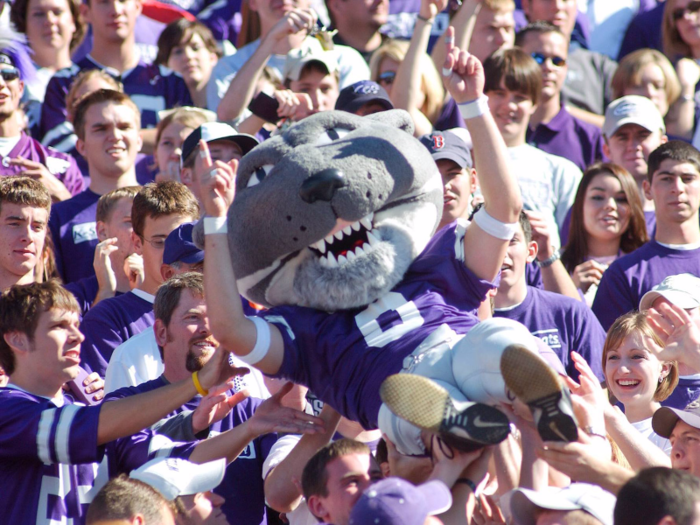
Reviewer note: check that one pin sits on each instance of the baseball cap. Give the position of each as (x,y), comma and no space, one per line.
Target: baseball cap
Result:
(666,418)
(311,50)
(632,109)
(212,131)
(356,95)
(682,290)
(448,145)
(525,504)
(394,501)
(180,247)
(174,477)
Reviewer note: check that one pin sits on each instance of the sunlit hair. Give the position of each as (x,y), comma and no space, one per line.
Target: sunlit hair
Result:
(83,78)
(431,84)
(636,322)
(629,73)
(518,71)
(632,238)
(187,116)
(180,32)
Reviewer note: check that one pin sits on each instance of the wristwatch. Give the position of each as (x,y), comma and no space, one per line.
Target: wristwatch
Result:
(549,261)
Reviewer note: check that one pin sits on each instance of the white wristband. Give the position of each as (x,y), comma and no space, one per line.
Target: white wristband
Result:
(474,108)
(262,343)
(494,227)
(215,225)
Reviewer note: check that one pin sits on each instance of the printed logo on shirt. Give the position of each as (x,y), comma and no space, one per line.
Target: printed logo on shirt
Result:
(57,166)
(84,232)
(550,337)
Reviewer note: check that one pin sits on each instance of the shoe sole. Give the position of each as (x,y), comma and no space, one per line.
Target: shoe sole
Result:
(427,405)
(537,385)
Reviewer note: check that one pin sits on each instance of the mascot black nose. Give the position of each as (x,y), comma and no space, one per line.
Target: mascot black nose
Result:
(322,185)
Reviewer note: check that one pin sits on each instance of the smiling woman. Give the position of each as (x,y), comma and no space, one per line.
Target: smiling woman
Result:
(607,220)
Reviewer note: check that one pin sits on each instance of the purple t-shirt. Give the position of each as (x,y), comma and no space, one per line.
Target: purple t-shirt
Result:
(568,137)
(84,291)
(450,116)
(630,277)
(564,324)
(74,233)
(245,501)
(223,18)
(644,31)
(49,457)
(687,391)
(153,88)
(109,324)
(62,166)
(344,357)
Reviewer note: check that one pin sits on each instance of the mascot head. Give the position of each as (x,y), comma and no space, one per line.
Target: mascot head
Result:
(331,213)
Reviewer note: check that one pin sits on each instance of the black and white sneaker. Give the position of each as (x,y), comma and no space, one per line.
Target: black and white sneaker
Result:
(537,384)
(465,426)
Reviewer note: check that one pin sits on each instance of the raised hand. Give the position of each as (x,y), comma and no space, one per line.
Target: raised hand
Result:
(431,8)
(215,406)
(38,171)
(273,416)
(217,181)
(588,273)
(679,333)
(218,370)
(106,279)
(463,71)
(133,269)
(295,21)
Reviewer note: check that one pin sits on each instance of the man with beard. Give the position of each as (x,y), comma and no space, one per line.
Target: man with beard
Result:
(186,344)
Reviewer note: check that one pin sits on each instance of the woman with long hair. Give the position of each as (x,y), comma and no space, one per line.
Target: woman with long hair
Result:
(607,221)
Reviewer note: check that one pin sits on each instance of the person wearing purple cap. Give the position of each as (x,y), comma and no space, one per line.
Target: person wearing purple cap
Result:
(394,501)
(20,153)
(363,98)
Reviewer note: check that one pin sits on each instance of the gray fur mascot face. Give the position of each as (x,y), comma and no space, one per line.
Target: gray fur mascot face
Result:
(331,213)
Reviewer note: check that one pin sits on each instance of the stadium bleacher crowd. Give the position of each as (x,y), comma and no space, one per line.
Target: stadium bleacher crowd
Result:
(143,383)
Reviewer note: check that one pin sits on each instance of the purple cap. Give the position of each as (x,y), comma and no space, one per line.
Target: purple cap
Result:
(447,145)
(353,97)
(179,246)
(394,501)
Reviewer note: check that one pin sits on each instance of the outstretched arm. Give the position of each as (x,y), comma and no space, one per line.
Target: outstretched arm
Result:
(502,201)
(463,22)
(406,90)
(228,323)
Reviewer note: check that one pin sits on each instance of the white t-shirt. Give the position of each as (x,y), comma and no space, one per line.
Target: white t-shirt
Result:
(645,429)
(137,360)
(548,184)
(352,67)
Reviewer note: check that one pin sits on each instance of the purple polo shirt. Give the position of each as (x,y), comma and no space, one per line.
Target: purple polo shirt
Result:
(62,166)
(568,137)
(111,322)
(630,277)
(74,233)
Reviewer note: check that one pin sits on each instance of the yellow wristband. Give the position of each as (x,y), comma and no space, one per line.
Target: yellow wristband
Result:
(198,385)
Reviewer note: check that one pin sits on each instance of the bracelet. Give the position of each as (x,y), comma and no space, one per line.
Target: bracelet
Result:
(469,483)
(215,225)
(474,108)
(549,261)
(426,20)
(595,431)
(687,98)
(494,227)
(198,385)
(262,342)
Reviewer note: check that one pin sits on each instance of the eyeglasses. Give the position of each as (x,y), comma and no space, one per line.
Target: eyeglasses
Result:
(9,74)
(692,7)
(387,77)
(556,61)
(157,244)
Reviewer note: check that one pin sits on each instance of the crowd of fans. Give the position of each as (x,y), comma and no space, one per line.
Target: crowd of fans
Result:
(119,405)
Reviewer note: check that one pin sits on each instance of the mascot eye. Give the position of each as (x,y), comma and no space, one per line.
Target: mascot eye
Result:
(331,135)
(259,174)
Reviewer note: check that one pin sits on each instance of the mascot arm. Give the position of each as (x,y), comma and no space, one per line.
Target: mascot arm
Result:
(498,185)
(228,323)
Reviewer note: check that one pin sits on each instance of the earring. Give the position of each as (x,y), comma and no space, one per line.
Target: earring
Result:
(661,379)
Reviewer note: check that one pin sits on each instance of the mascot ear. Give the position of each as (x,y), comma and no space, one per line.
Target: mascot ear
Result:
(397,118)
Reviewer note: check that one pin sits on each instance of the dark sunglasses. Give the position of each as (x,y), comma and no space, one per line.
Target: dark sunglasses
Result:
(692,7)
(10,74)
(387,77)
(541,59)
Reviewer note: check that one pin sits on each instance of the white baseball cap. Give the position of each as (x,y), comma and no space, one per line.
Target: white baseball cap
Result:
(682,290)
(174,477)
(632,109)
(311,50)
(525,504)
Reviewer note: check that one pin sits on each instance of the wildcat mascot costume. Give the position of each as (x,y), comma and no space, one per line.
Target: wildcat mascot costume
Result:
(333,229)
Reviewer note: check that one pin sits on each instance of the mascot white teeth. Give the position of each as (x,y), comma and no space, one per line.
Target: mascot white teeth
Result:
(333,229)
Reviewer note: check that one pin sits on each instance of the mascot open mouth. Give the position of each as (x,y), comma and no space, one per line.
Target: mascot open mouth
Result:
(353,241)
